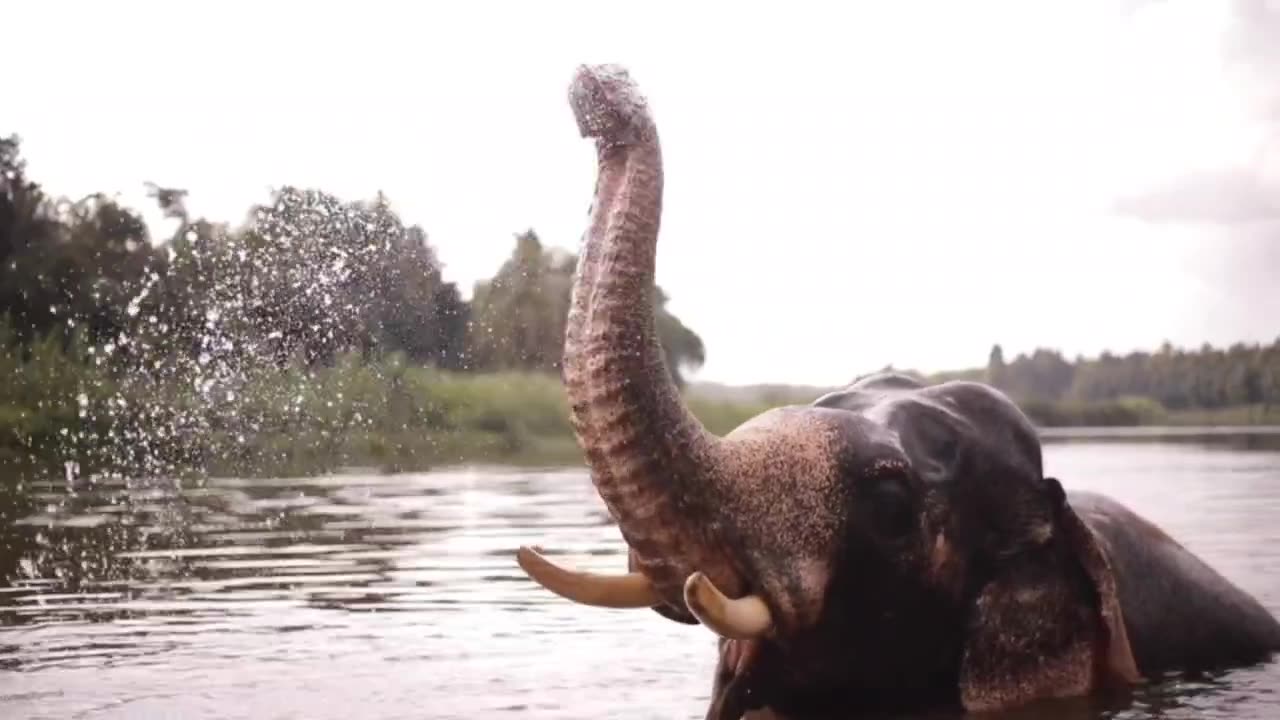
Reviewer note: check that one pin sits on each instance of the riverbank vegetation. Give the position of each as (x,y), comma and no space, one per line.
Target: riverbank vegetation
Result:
(320,333)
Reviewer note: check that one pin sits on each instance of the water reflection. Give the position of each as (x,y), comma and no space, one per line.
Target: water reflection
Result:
(354,541)
(366,595)
(1261,437)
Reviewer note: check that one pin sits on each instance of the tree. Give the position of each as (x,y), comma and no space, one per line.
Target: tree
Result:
(418,312)
(311,276)
(682,348)
(66,265)
(996,366)
(519,315)
(28,231)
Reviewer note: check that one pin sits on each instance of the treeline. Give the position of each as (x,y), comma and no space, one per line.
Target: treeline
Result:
(279,341)
(319,331)
(306,277)
(1235,385)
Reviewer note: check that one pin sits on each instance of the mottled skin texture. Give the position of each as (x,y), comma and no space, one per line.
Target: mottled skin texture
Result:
(930,535)
(999,596)
(904,538)
(624,408)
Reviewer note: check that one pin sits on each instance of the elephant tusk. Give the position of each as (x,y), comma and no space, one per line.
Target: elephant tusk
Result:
(630,590)
(742,619)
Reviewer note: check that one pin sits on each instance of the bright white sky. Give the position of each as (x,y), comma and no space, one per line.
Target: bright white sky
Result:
(895,182)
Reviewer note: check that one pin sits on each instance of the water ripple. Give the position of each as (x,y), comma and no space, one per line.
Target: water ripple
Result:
(397,596)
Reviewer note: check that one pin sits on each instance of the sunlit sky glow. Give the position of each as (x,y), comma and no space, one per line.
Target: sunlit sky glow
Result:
(847,187)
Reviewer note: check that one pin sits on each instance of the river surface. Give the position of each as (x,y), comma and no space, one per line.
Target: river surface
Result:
(375,596)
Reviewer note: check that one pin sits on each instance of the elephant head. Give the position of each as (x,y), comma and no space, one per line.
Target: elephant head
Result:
(889,543)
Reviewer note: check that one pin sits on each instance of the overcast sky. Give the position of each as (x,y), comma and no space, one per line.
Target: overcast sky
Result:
(895,182)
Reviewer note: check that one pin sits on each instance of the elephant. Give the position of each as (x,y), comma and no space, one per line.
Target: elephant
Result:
(892,546)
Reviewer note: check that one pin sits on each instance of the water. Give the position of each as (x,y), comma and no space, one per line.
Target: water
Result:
(397,596)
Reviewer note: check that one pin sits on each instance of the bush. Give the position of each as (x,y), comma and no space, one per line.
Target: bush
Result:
(59,406)
(1112,413)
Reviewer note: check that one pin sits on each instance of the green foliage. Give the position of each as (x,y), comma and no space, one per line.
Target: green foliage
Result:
(56,403)
(319,331)
(681,346)
(299,418)
(1126,411)
(307,275)
(1138,388)
(67,265)
(312,276)
(519,316)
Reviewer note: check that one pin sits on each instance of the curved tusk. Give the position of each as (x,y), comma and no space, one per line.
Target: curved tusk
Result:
(741,619)
(632,590)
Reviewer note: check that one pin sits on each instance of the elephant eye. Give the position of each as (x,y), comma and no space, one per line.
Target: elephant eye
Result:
(890,507)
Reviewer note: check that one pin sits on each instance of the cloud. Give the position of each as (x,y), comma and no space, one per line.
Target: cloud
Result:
(1247,193)
(1227,197)
(1253,41)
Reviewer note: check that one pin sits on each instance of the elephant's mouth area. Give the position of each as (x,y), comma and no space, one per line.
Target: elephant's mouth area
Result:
(758,674)
(737,688)
(886,640)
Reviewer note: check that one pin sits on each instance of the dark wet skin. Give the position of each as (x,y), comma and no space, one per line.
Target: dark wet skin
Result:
(898,614)
(1181,614)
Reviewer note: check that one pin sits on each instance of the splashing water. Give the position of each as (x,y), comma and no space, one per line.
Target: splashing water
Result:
(245,332)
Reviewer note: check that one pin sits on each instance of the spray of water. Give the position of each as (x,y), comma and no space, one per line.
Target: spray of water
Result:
(232,335)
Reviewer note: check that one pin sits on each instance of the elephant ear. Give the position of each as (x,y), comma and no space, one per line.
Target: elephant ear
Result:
(1048,624)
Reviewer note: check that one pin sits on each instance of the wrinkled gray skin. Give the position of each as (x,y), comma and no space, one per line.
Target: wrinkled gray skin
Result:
(904,538)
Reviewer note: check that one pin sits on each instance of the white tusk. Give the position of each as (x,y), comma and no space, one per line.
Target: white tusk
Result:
(742,619)
(630,590)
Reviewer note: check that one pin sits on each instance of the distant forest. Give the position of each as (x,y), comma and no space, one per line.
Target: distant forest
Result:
(1140,386)
(1177,378)
(314,333)
(305,278)
(319,331)
(1239,385)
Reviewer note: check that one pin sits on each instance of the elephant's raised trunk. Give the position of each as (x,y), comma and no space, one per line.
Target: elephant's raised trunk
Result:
(652,462)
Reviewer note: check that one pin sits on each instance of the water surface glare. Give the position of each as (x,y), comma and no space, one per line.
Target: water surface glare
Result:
(397,596)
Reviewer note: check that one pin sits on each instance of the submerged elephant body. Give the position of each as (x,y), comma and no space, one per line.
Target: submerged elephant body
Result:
(890,546)
(1179,612)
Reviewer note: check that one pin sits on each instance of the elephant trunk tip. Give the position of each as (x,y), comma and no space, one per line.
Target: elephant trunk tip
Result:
(609,106)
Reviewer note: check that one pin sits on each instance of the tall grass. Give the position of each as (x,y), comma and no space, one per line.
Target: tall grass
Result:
(61,412)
